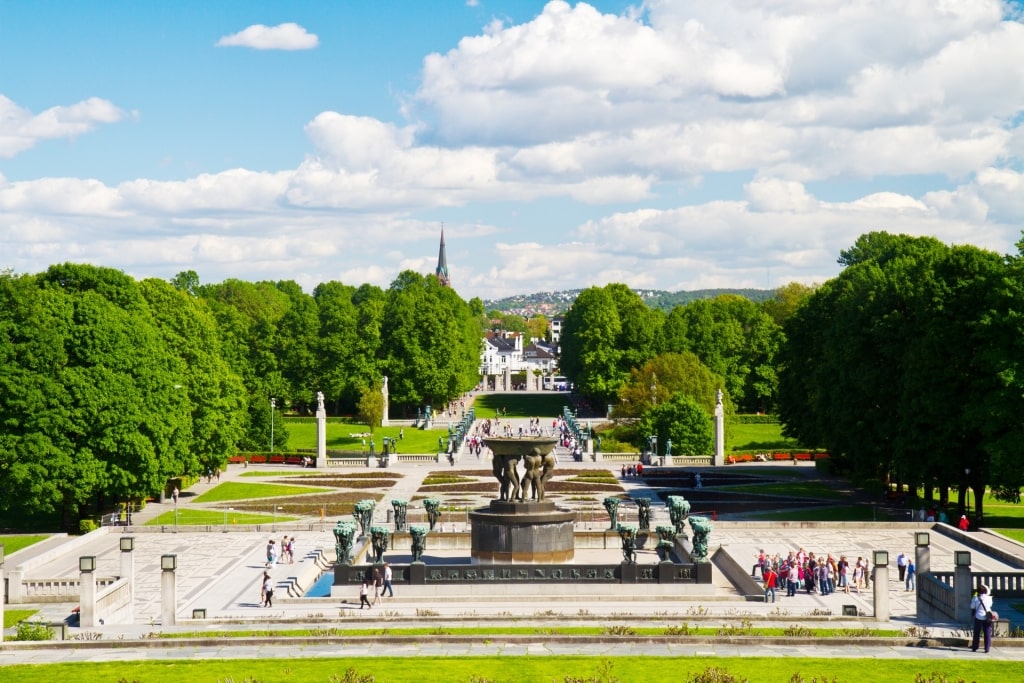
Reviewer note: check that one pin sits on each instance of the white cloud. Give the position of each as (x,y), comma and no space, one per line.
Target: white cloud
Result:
(518,136)
(20,129)
(289,36)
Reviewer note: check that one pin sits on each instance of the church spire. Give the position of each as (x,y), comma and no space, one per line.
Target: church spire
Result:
(442,263)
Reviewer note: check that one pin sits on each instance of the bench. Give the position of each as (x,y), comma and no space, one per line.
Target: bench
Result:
(258,458)
(277,459)
(236,459)
(293,460)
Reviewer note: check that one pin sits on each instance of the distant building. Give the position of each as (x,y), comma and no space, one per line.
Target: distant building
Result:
(539,357)
(501,353)
(555,329)
(442,264)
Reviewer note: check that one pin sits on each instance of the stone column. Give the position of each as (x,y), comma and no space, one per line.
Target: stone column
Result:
(963,585)
(168,590)
(128,573)
(321,435)
(87,593)
(1,592)
(922,554)
(384,422)
(880,589)
(719,431)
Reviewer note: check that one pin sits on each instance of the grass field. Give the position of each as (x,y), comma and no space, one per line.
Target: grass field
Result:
(842,513)
(545,404)
(192,517)
(237,490)
(13,616)
(302,434)
(516,669)
(755,437)
(798,489)
(13,544)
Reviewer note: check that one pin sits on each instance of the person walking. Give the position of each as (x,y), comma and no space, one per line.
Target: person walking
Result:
(263,588)
(911,576)
(387,581)
(364,592)
(760,564)
(378,584)
(901,565)
(268,590)
(981,606)
(770,581)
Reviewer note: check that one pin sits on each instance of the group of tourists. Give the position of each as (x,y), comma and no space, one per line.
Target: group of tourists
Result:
(630,471)
(281,553)
(376,584)
(823,574)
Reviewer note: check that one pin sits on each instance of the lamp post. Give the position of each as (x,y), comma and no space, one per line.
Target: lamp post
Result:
(967,474)
(176,513)
(226,511)
(273,405)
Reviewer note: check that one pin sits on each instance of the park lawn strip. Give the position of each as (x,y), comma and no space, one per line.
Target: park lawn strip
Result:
(236,490)
(842,513)
(502,630)
(192,517)
(302,434)
(13,544)
(1015,534)
(741,436)
(798,489)
(546,406)
(510,669)
(13,616)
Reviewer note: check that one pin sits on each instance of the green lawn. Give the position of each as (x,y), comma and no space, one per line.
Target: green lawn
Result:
(1015,534)
(546,404)
(514,669)
(237,490)
(499,630)
(13,544)
(302,434)
(753,437)
(13,616)
(193,517)
(798,489)
(842,513)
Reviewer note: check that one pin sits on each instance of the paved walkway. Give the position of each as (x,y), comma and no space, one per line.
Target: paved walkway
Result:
(219,571)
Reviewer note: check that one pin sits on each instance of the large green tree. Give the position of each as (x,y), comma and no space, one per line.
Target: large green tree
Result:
(736,339)
(430,341)
(902,367)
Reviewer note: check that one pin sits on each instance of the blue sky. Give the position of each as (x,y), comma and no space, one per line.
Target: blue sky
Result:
(671,144)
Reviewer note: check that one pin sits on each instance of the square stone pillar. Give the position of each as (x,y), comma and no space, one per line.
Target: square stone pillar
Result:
(963,586)
(922,552)
(880,591)
(87,595)
(128,572)
(2,591)
(321,438)
(168,590)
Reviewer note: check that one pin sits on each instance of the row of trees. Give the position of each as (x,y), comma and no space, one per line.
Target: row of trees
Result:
(109,386)
(910,365)
(610,332)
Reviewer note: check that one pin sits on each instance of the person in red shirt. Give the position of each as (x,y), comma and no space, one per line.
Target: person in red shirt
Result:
(964,524)
(770,579)
(639,469)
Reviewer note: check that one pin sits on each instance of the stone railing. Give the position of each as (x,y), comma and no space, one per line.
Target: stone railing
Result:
(56,590)
(1001,584)
(935,594)
(112,602)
